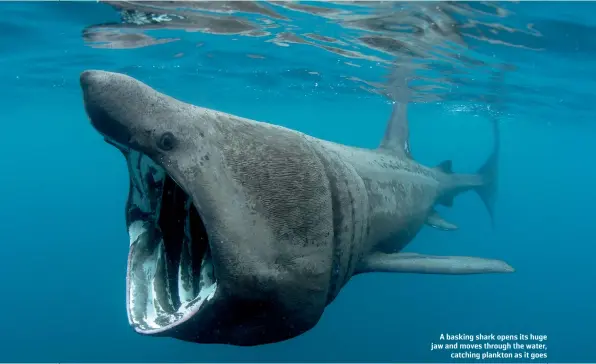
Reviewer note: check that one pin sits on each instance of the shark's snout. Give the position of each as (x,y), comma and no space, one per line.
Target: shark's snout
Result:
(93,80)
(171,274)
(90,76)
(105,99)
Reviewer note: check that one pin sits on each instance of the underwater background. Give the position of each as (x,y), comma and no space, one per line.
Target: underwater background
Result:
(318,68)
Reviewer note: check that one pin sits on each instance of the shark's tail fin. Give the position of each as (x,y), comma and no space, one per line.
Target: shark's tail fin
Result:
(489,173)
(484,182)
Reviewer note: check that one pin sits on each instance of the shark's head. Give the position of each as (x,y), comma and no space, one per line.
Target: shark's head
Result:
(205,263)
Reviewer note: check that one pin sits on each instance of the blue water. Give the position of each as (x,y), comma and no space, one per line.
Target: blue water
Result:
(64,242)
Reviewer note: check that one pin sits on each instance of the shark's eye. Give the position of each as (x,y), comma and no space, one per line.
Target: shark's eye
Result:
(167,141)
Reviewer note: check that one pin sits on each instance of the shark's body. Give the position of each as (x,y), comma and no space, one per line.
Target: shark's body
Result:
(242,232)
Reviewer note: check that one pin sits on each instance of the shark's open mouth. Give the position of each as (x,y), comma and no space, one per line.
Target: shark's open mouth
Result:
(170,272)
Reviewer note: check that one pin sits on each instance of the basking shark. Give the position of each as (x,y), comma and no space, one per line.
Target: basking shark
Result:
(242,232)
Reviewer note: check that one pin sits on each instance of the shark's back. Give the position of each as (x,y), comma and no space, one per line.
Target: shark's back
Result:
(400,192)
(378,195)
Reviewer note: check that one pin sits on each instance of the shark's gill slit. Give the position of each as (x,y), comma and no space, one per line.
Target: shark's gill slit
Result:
(170,270)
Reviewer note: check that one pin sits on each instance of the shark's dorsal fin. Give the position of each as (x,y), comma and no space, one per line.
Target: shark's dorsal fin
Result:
(397,133)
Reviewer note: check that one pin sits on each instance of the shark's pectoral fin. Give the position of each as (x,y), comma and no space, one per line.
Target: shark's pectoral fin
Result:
(434,220)
(430,264)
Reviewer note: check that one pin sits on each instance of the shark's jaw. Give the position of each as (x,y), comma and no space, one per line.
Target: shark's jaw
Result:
(207,261)
(170,272)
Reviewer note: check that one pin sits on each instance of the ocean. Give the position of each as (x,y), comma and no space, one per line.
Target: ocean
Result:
(320,68)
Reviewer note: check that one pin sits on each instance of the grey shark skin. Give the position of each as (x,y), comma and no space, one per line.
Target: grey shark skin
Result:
(242,232)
